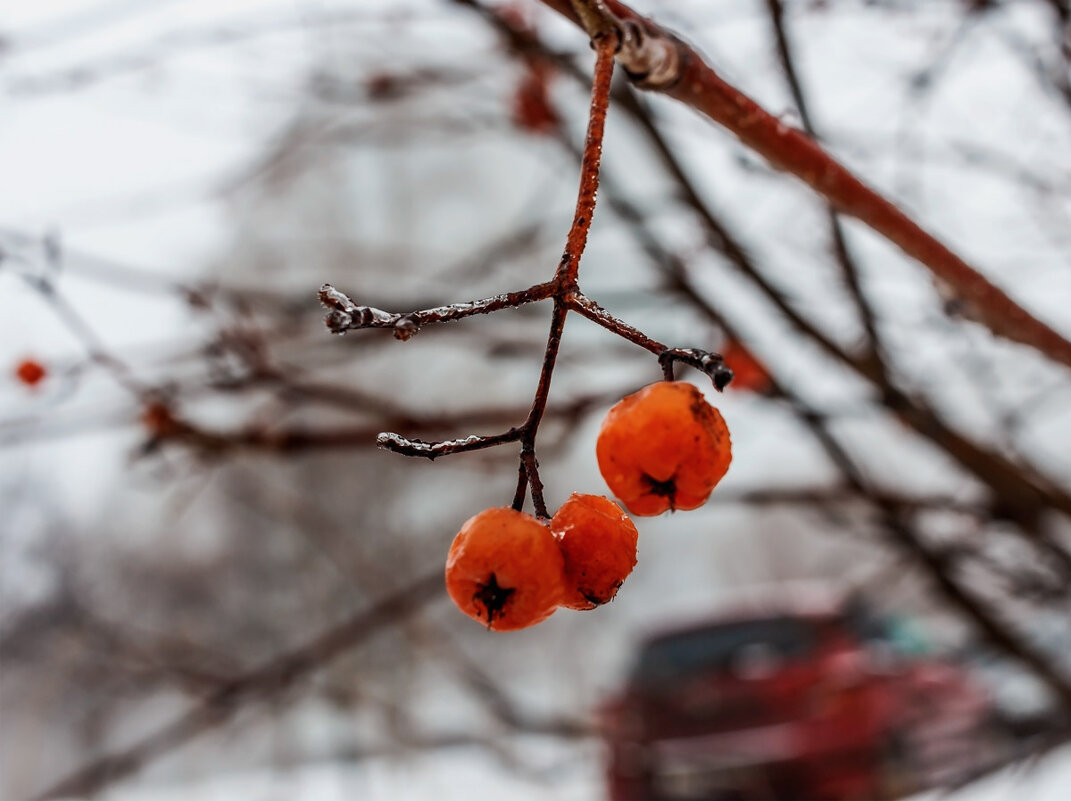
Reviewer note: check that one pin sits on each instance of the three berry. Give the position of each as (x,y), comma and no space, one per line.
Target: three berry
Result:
(661,448)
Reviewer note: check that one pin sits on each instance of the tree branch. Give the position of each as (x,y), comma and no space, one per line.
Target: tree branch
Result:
(272,678)
(696,84)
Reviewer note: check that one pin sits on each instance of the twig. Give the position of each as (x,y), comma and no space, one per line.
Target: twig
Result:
(348,316)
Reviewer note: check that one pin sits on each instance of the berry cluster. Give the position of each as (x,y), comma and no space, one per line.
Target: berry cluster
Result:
(662,448)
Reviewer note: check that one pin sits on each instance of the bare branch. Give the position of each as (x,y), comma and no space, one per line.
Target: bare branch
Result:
(345,315)
(430,450)
(261,683)
(696,84)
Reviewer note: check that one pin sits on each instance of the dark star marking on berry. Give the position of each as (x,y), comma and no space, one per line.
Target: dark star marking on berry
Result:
(664,489)
(493,597)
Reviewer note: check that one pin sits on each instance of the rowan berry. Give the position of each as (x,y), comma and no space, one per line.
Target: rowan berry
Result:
(598,542)
(532,108)
(663,447)
(749,373)
(505,570)
(30,372)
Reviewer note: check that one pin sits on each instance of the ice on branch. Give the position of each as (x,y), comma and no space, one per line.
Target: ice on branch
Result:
(711,364)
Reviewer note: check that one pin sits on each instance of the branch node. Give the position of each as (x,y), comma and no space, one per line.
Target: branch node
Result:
(404,328)
(650,61)
(598,21)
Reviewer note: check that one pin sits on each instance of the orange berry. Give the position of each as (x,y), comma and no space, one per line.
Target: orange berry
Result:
(504,569)
(598,542)
(663,447)
(748,372)
(30,372)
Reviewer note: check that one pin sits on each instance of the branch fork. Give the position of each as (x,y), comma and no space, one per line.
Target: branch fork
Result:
(649,57)
(610,37)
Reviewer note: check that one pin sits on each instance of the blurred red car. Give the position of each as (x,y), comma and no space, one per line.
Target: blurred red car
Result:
(793,700)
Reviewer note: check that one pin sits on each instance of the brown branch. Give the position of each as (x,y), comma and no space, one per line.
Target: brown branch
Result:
(841,250)
(404,446)
(568,269)
(842,494)
(261,683)
(345,315)
(697,85)
(168,427)
(605,47)
(1021,492)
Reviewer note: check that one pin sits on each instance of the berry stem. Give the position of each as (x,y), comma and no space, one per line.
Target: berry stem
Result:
(565,279)
(522,487)
(531,471)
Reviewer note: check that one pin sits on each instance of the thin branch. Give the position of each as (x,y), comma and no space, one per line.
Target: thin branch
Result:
(345,315)
(262,683)
(84,332)
(605,46)
(841,494)
(396,443)
(706,362)
(539,405)
(696,84)
(588,308)
(711,364)
(841,250)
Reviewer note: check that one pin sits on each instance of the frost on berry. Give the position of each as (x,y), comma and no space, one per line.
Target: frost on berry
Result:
(505,570)
(663,448)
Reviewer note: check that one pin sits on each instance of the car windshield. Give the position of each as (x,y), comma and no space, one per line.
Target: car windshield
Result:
(722,648)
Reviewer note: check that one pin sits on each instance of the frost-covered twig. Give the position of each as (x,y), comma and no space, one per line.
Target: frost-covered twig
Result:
(346,315)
